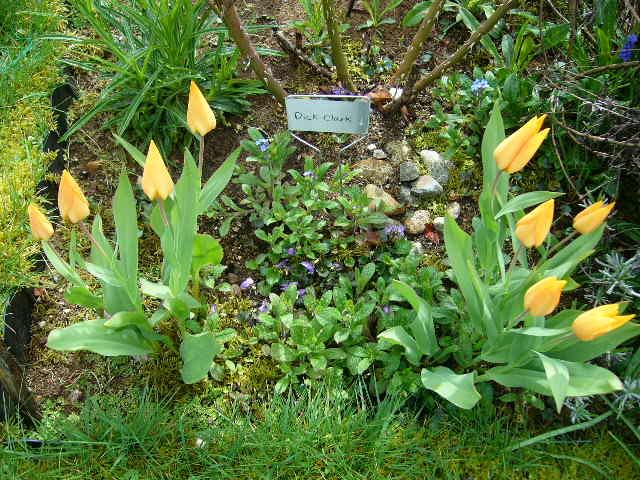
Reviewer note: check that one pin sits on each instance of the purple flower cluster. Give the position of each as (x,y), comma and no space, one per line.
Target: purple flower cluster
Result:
(340,91)
(394,232)
(263,144)
(264,307)
(308,266)
(247,283)
(478,85)
(626,54)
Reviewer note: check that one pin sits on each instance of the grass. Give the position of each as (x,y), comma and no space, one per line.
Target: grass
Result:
(322,432)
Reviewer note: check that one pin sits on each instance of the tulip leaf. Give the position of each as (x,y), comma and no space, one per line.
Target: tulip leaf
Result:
(422,327)
(458,389)
(126,221)
(539,331)
(94,336)
(558,377)
(568,258)
(399,336)
(575,350)
(206,251)
(526,200)
(62,267)
(197,352)
(218,181)
(83,296)
(136,154)
(490,200)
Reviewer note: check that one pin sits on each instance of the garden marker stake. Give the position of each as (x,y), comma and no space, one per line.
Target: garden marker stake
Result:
(72,203)
(200,118)
(41,227)
(543,298)
(592,217)
(533,228)
(600,320)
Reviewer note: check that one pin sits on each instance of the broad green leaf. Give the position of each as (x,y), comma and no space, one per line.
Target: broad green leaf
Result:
(458,389)
(136,154)
(94,336)
(472,24)
(557,377)
(565,260)
(62,267)
(422,327)
(206,251)
(399,336)
(218,181)
(526,200)
(363,276)
(282,354)
(575,350)
(155,290)
(197,352)
(83,296)
(539,331)
(415,16)
(127,319)
(126,221)
(105,274)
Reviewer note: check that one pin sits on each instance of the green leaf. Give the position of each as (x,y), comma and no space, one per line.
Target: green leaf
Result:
(125,217)
(136,154)
(94,336)
(363,276)
(105,274)
(206,251)
(127,319)
(458,389)
(197,352)
(415,16)
(62,267)
(83,296)
(558,378)
(155,290)
(218,181)
(568,258)
(422,328)
(578,351)
(399,336)
(526,200)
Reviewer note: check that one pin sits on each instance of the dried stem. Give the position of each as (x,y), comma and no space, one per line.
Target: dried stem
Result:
(298,54)
(330,12)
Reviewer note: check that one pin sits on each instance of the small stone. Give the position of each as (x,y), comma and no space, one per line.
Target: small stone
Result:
(438,224)
(376,171)
(379,154)
(75,396)
(396,93)
(405,196)
(426,186)
(378,196)
(41,324)
(399,152)
(437,166)
(453,209)
(408,172)
(417,249)
(371,147)
(417,221)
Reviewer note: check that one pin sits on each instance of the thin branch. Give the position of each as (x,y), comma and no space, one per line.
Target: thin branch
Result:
(330,12)
(606,68)
(295,52)
(597,138)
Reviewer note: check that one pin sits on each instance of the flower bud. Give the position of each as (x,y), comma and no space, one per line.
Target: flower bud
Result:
(542,298)
(72,203)
(598,321)
(533,228)
(200,117)
(592,217)
(515,151)
(41,227)
(156,181)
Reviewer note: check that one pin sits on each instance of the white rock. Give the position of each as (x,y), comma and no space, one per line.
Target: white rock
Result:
(379,154)
(417,221)
(426,186)
(437,165)
(453,209)
(371,147)
(438,224)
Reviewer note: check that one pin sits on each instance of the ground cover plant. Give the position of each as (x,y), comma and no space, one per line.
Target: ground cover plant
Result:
(453,298)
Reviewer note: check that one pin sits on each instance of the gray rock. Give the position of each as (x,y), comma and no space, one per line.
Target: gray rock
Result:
(371,147)
(426,186)
(405,196)
(417,221)
(416,249)
(373,170)
(437,166)
(379,154)
(408,172)
(74,396)
(438,224)
(382,200)
(399,152)
(453,209)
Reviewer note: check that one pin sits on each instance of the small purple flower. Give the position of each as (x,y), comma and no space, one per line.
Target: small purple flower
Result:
(291,251)
(302,292)
(309,174)
(284,286)
(478,85)
(386,309)
(283,264)
(336,265)
(308,266)
(247,283)
(263,144)
(214,309)
(264,307)
(394,231)
(626,54)
(340,91)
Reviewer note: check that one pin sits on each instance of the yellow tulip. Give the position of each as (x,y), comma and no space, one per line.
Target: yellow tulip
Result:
(41,227)
(200,117)
(72,203)
(534,227)
(542,298)
(515,151)
(592,217)
(156,181)
(600,320)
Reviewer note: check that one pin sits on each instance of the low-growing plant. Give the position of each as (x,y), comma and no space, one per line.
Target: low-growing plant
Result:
(378,11)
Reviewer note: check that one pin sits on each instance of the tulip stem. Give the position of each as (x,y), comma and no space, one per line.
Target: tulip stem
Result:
(494,187)
(201,154)
(513,262)
(88,233)
(163,213)
(561,242)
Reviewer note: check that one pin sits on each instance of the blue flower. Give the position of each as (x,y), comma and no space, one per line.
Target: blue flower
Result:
(284,286)
(394,231)
(247,283)
(302,292)
(626,54)
(478,85)
(340,91)
(308,266)
(386,309)
(291,251)
(283,264)
(309,174)
(263,144)
(214,309)
(264,307)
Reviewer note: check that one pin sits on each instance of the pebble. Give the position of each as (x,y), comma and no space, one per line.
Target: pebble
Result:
(399,152)
(438,224)
(379,154)
(426,186)
(408,172)
(405,196)
(375,171)
(75,396)
(437,165)
(371,147)
(417,221)
(376,194)
(416,248)
(453,209)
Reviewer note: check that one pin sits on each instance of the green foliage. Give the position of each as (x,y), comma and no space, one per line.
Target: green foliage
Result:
(155,50)
(125,326)
(378,11)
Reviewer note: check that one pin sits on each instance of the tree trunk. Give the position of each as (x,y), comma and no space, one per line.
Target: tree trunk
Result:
(330,13)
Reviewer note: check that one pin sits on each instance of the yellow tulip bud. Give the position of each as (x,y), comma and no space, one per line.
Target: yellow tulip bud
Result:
(41,227)
(542,298)
(72,203)
(200,117)
(515,151)
(592,217)
(156,181)
(600,320)
(533,228)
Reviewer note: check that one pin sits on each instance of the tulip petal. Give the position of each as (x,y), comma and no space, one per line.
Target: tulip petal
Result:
(41,227)
(592,217)
(507,150)
(72,203)
(156,181)
(200,117)
(527,152)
